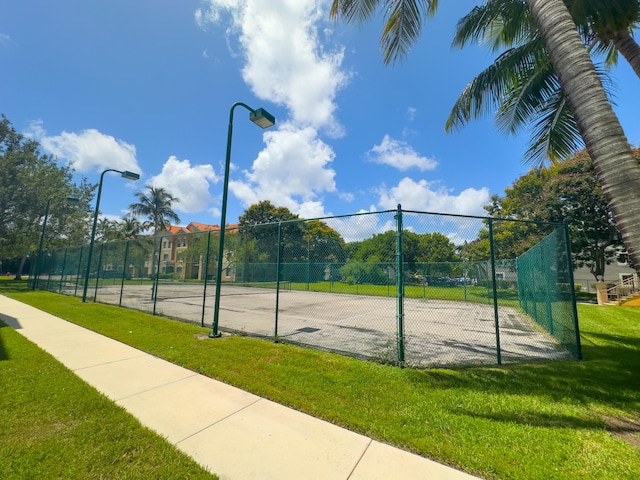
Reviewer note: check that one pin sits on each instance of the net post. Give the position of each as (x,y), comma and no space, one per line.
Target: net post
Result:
(399,286)
(495,291)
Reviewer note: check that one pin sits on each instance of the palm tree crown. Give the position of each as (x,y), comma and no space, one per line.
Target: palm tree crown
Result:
(155,204)
(599,127)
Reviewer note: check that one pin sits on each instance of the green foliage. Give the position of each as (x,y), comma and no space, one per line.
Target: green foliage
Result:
(372,271)
(418,248)
(156,204)
(568,190)
(305,243)
(29,181)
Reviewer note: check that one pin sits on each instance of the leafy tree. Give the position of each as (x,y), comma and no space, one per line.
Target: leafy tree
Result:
(260,222)
(324,243)
(617,169)
(29,181)
(574,193)
(568,190)
(156,204)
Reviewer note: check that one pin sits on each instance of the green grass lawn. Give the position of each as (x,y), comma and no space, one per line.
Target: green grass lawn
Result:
(563,420)
(53,425)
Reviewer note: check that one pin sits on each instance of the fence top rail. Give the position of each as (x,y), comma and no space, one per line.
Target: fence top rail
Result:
(477,217)
(418,212)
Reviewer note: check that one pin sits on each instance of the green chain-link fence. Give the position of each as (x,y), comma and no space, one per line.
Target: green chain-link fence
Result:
(401,287)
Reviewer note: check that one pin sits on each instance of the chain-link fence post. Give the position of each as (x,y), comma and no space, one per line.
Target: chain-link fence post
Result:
(99,269)
(572,289)
(400,285)
(495,291)
(79,271)
(206,277)
(64,264)
(156,280)
(124,270)
(278,273)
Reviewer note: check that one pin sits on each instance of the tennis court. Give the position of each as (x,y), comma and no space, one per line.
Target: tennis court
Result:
(437,332)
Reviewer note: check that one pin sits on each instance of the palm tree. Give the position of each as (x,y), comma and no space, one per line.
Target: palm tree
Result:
(607,26)
(521,83)
(156,205)
(131,227)
(617,169)
(106,230)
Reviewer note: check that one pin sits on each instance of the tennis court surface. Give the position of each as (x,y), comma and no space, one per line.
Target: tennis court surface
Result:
(437,332)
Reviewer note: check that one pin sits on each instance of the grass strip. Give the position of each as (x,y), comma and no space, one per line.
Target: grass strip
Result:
(561,420)
(56,426)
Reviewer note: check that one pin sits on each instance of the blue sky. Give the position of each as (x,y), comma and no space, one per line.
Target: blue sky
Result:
(147,86)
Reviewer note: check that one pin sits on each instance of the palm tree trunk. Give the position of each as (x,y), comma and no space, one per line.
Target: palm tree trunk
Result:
(617,169)
(629,49)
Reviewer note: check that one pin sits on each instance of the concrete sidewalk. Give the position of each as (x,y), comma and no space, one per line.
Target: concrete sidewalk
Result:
(235,434)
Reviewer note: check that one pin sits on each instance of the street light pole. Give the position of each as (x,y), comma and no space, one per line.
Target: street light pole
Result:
(44,227)
(263,119)
(125,174)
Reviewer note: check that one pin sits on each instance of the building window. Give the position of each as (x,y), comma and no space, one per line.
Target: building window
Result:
(623,258)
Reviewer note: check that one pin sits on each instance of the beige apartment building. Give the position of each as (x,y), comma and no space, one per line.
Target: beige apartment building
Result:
(177,239)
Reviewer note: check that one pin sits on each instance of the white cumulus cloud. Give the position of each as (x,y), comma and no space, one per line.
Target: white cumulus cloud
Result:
(280,43)
(425,196)
(88,151)
(292,171)
(190,184)
(400,155)
(285,61)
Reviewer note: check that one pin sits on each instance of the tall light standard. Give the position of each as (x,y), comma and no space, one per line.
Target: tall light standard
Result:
(263,119)
(44,227)
(129,176)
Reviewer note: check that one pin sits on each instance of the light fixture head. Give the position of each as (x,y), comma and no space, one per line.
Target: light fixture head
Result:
(72,199)
(130,175)
(262,118)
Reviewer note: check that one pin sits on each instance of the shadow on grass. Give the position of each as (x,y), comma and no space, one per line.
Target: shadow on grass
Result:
(3,352)
(607,378)
(537,419)
(13,286)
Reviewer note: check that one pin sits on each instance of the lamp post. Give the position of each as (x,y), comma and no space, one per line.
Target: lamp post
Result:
(44,227)
(125,174)
(263,119)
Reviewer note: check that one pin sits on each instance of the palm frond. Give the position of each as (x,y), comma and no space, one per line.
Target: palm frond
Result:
(485,93)
(555,135)
(354,10)
(403,24)
(497,23)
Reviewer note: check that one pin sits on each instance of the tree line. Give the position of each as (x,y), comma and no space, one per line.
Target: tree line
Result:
(35,187)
